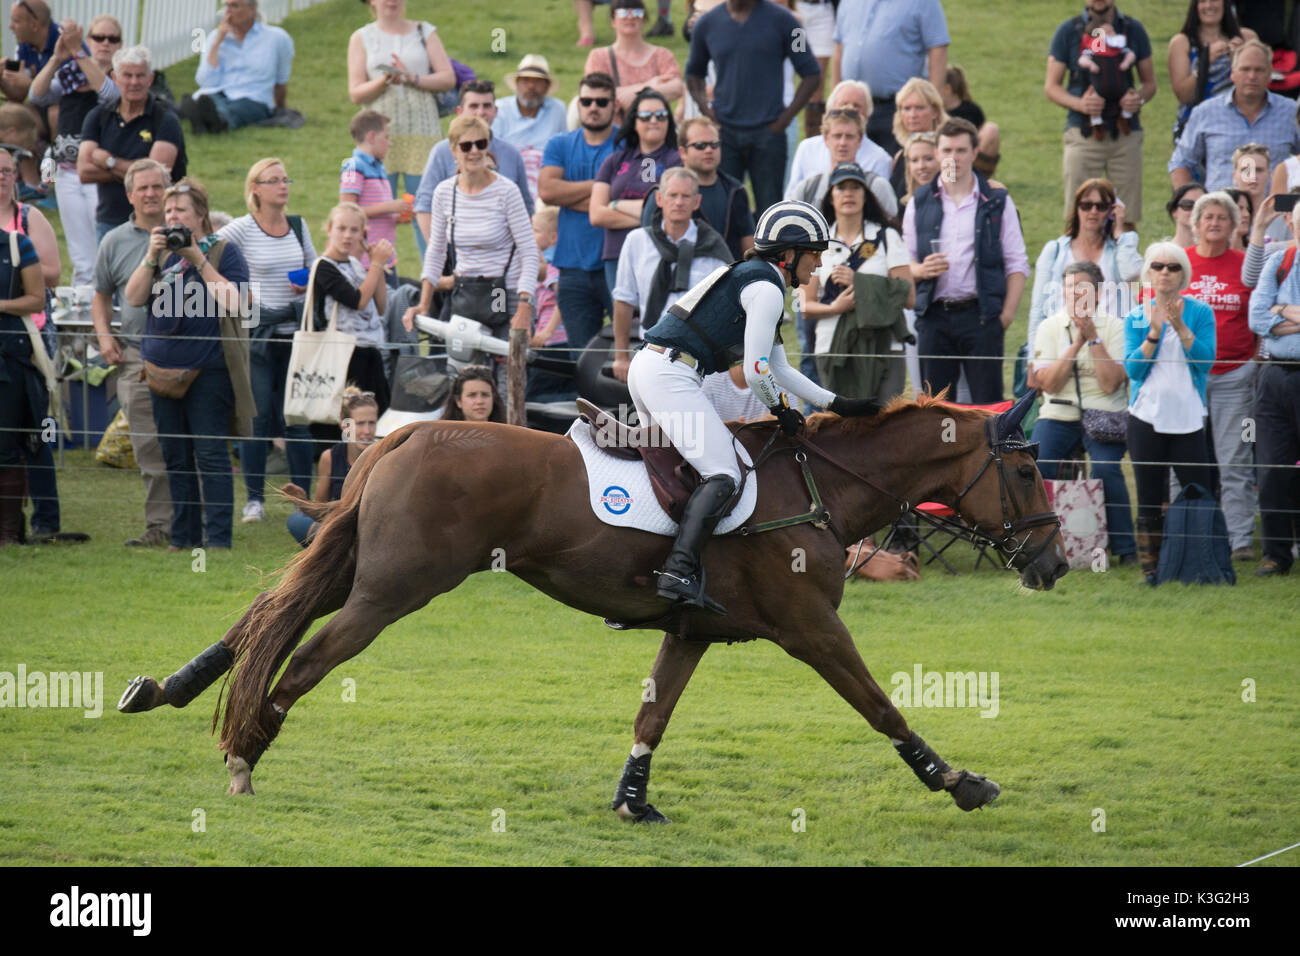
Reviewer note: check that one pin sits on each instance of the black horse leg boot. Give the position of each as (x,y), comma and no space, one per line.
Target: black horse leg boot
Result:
(682,577)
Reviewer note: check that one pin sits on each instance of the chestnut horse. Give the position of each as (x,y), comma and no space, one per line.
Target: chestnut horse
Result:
(435,502)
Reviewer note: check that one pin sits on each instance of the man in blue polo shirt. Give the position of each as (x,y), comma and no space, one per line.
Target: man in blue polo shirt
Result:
(569,168)
(884,43)
(746,40)
(243,74)
(1115,156)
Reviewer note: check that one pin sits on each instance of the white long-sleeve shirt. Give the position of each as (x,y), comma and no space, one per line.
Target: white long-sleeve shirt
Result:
(767,371)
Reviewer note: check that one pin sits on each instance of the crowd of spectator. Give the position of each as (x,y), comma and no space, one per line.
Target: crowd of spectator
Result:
(558,218)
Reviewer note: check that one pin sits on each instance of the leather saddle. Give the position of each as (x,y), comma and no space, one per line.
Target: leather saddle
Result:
(672,477)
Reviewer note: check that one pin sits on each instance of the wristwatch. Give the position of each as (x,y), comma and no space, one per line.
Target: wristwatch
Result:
(110,162)
(1096,341)
(1155,341)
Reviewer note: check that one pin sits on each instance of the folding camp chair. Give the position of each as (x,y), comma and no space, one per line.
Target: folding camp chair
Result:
(940,522)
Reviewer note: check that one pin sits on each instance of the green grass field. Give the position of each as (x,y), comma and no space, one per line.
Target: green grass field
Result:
(495,705)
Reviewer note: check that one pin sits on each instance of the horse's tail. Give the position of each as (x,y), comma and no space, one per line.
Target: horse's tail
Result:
(279,617)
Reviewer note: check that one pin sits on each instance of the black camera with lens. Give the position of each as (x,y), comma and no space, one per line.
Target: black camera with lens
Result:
(178,238)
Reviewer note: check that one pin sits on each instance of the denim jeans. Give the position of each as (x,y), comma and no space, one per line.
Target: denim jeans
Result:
(583,299)
(237,113)
(1056,439)
(300,526)
(269,369)
(191,431)
(412,187)
(761,153)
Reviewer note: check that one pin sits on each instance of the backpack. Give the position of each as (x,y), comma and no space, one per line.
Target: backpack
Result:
(1195,548)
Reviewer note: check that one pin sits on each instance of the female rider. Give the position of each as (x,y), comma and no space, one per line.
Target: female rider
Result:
(734,312)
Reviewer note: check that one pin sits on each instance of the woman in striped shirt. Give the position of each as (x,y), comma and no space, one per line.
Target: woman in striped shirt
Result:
(483,216)
(274,244)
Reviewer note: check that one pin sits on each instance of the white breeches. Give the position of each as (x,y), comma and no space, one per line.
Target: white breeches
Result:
(671,395)
(77,202)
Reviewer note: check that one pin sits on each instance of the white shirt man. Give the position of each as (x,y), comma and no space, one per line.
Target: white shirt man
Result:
(640,260)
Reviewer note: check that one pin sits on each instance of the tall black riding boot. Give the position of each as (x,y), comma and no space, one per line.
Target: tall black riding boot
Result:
(682,577)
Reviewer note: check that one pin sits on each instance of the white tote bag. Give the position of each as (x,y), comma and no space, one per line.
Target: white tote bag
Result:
(318,366)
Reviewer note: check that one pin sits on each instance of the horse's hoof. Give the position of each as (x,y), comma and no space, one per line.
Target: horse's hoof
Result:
(241,776)
(647,814)
(973,790)
(143,693)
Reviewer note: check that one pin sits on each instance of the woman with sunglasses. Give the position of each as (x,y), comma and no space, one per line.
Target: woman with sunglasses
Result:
(633,63)
(1179,208)
(643,149)
(78,83)
(1094,232)
(483,215)
(1169,346)
(274,244)
(358,416)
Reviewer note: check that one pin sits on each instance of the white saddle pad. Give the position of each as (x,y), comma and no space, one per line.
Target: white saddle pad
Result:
(621,495)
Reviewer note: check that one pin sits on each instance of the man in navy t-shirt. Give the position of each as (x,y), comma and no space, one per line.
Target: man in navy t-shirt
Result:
(747,40)
(1113,154)
(569,166)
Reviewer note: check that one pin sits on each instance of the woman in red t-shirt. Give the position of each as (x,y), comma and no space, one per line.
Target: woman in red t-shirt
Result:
(1216,281)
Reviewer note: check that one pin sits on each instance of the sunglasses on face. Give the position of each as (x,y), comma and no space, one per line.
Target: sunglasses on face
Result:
(1171,267)
(106,38)
(467,144)
(629,13)
(842,113)
(1186,204)
(658,116)
(705,144)
(1094,206)
(601,101)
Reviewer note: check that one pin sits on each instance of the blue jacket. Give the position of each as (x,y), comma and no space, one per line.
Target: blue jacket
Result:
(1199,318)
(718,315)
(990,269)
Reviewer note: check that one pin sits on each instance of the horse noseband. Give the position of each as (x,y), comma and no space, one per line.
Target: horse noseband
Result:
(1008,544)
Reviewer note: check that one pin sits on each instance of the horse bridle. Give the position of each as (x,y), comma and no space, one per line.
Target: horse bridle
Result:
(1012,524)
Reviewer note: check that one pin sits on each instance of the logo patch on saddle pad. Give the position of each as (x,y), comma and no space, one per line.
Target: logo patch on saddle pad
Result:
(616,500)
(620,493)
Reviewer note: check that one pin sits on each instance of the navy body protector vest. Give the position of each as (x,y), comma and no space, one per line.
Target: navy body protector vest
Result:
(708,322)
(990,271)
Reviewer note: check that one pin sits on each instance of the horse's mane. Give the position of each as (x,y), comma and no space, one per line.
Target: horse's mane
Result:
(902,405)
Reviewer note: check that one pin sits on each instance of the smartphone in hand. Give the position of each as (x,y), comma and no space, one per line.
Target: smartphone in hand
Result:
(1285,202)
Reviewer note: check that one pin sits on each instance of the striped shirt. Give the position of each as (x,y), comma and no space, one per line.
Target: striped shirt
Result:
(270,259)
(488,226)
(366,177)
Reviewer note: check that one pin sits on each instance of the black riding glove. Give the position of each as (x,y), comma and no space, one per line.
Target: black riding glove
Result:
(788,418)
(853,407)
